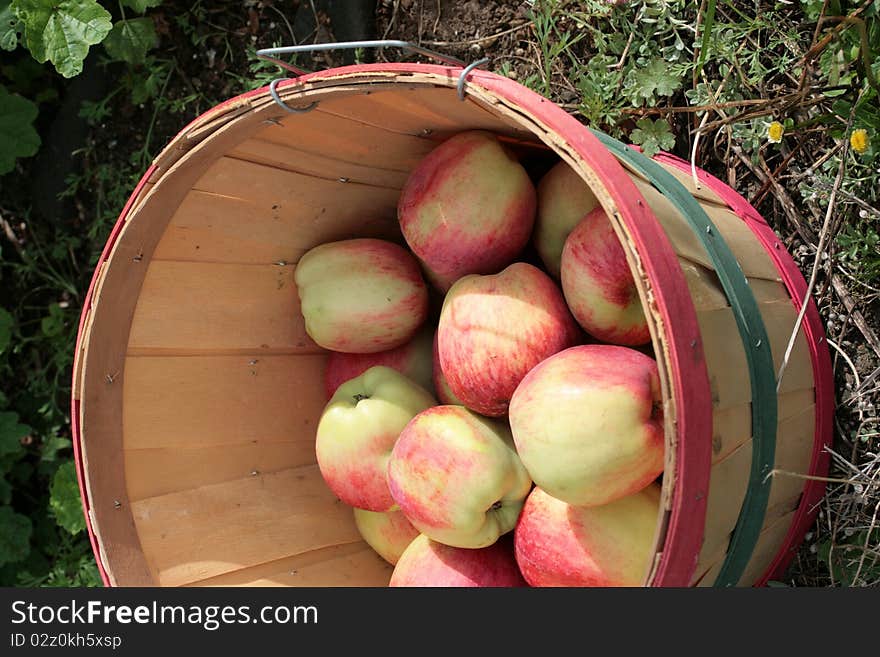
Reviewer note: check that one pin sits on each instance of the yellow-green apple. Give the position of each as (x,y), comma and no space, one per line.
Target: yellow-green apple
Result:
(456,476)
(599,286)
(557,544)
(588,423)
(358,429)
(415,359)
(361,295)
(563,200)
(441,386)
(493,329)
(388,532)
(427,563)
(467,208)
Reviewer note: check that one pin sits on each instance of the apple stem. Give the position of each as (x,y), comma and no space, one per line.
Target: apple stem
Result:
(495,506)
(359,397)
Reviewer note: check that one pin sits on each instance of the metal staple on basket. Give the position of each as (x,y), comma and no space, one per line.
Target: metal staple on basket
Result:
(273,91)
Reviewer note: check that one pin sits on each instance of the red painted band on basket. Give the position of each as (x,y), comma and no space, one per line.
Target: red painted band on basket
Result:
(794,282)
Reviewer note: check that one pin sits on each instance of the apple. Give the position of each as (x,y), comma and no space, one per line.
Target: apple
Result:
(357,431)
(557,544)
(456,476)
(588,423)
(598,285)
(467,208)
(414,359)
(427,563)
(493,329)
(388,532)
(441,386)
(563,200)
(361,295)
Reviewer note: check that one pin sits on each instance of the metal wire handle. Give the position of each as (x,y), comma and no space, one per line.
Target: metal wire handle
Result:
(270,55)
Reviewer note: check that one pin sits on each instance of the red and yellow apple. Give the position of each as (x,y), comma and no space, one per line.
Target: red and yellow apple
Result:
(493,329)
(358,429)
(361,295)
(467,208)
(557,544)
(588,423)
(599,286)
(415,359)
(427,563)
(563,200)
(441,386)
(456,476)
(388,532)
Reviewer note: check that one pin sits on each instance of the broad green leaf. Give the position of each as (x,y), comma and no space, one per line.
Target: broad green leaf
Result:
(15,535)
(5,491)
(10,26)
(61,32)
(653,136)
(53,323)
(130,40)
(52,445)
(11,433)
(655,80)
(140,6)
(6,323)
(17,135)
(64,499)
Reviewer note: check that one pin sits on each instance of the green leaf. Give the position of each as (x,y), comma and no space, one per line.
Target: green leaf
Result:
(17,135)
(62,31)
(6,323)
(10,26)
(653,136)
(130,40)
(64,499)
(15,535)
(708,24)
(11,433)
(53,323)
(52,445)
(655,80)
(140,6)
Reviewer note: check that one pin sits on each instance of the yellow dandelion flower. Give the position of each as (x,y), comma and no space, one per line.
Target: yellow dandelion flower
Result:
(774,132)
(858,140)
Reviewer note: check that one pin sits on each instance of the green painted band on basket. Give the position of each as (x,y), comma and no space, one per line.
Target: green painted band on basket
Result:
(751,327)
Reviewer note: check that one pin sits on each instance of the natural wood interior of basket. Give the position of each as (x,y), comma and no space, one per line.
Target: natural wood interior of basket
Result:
(216,389)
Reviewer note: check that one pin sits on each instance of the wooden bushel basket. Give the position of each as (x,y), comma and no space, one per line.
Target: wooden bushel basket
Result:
(197,390)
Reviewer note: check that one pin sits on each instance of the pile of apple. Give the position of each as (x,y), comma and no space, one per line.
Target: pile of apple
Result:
(515,437)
